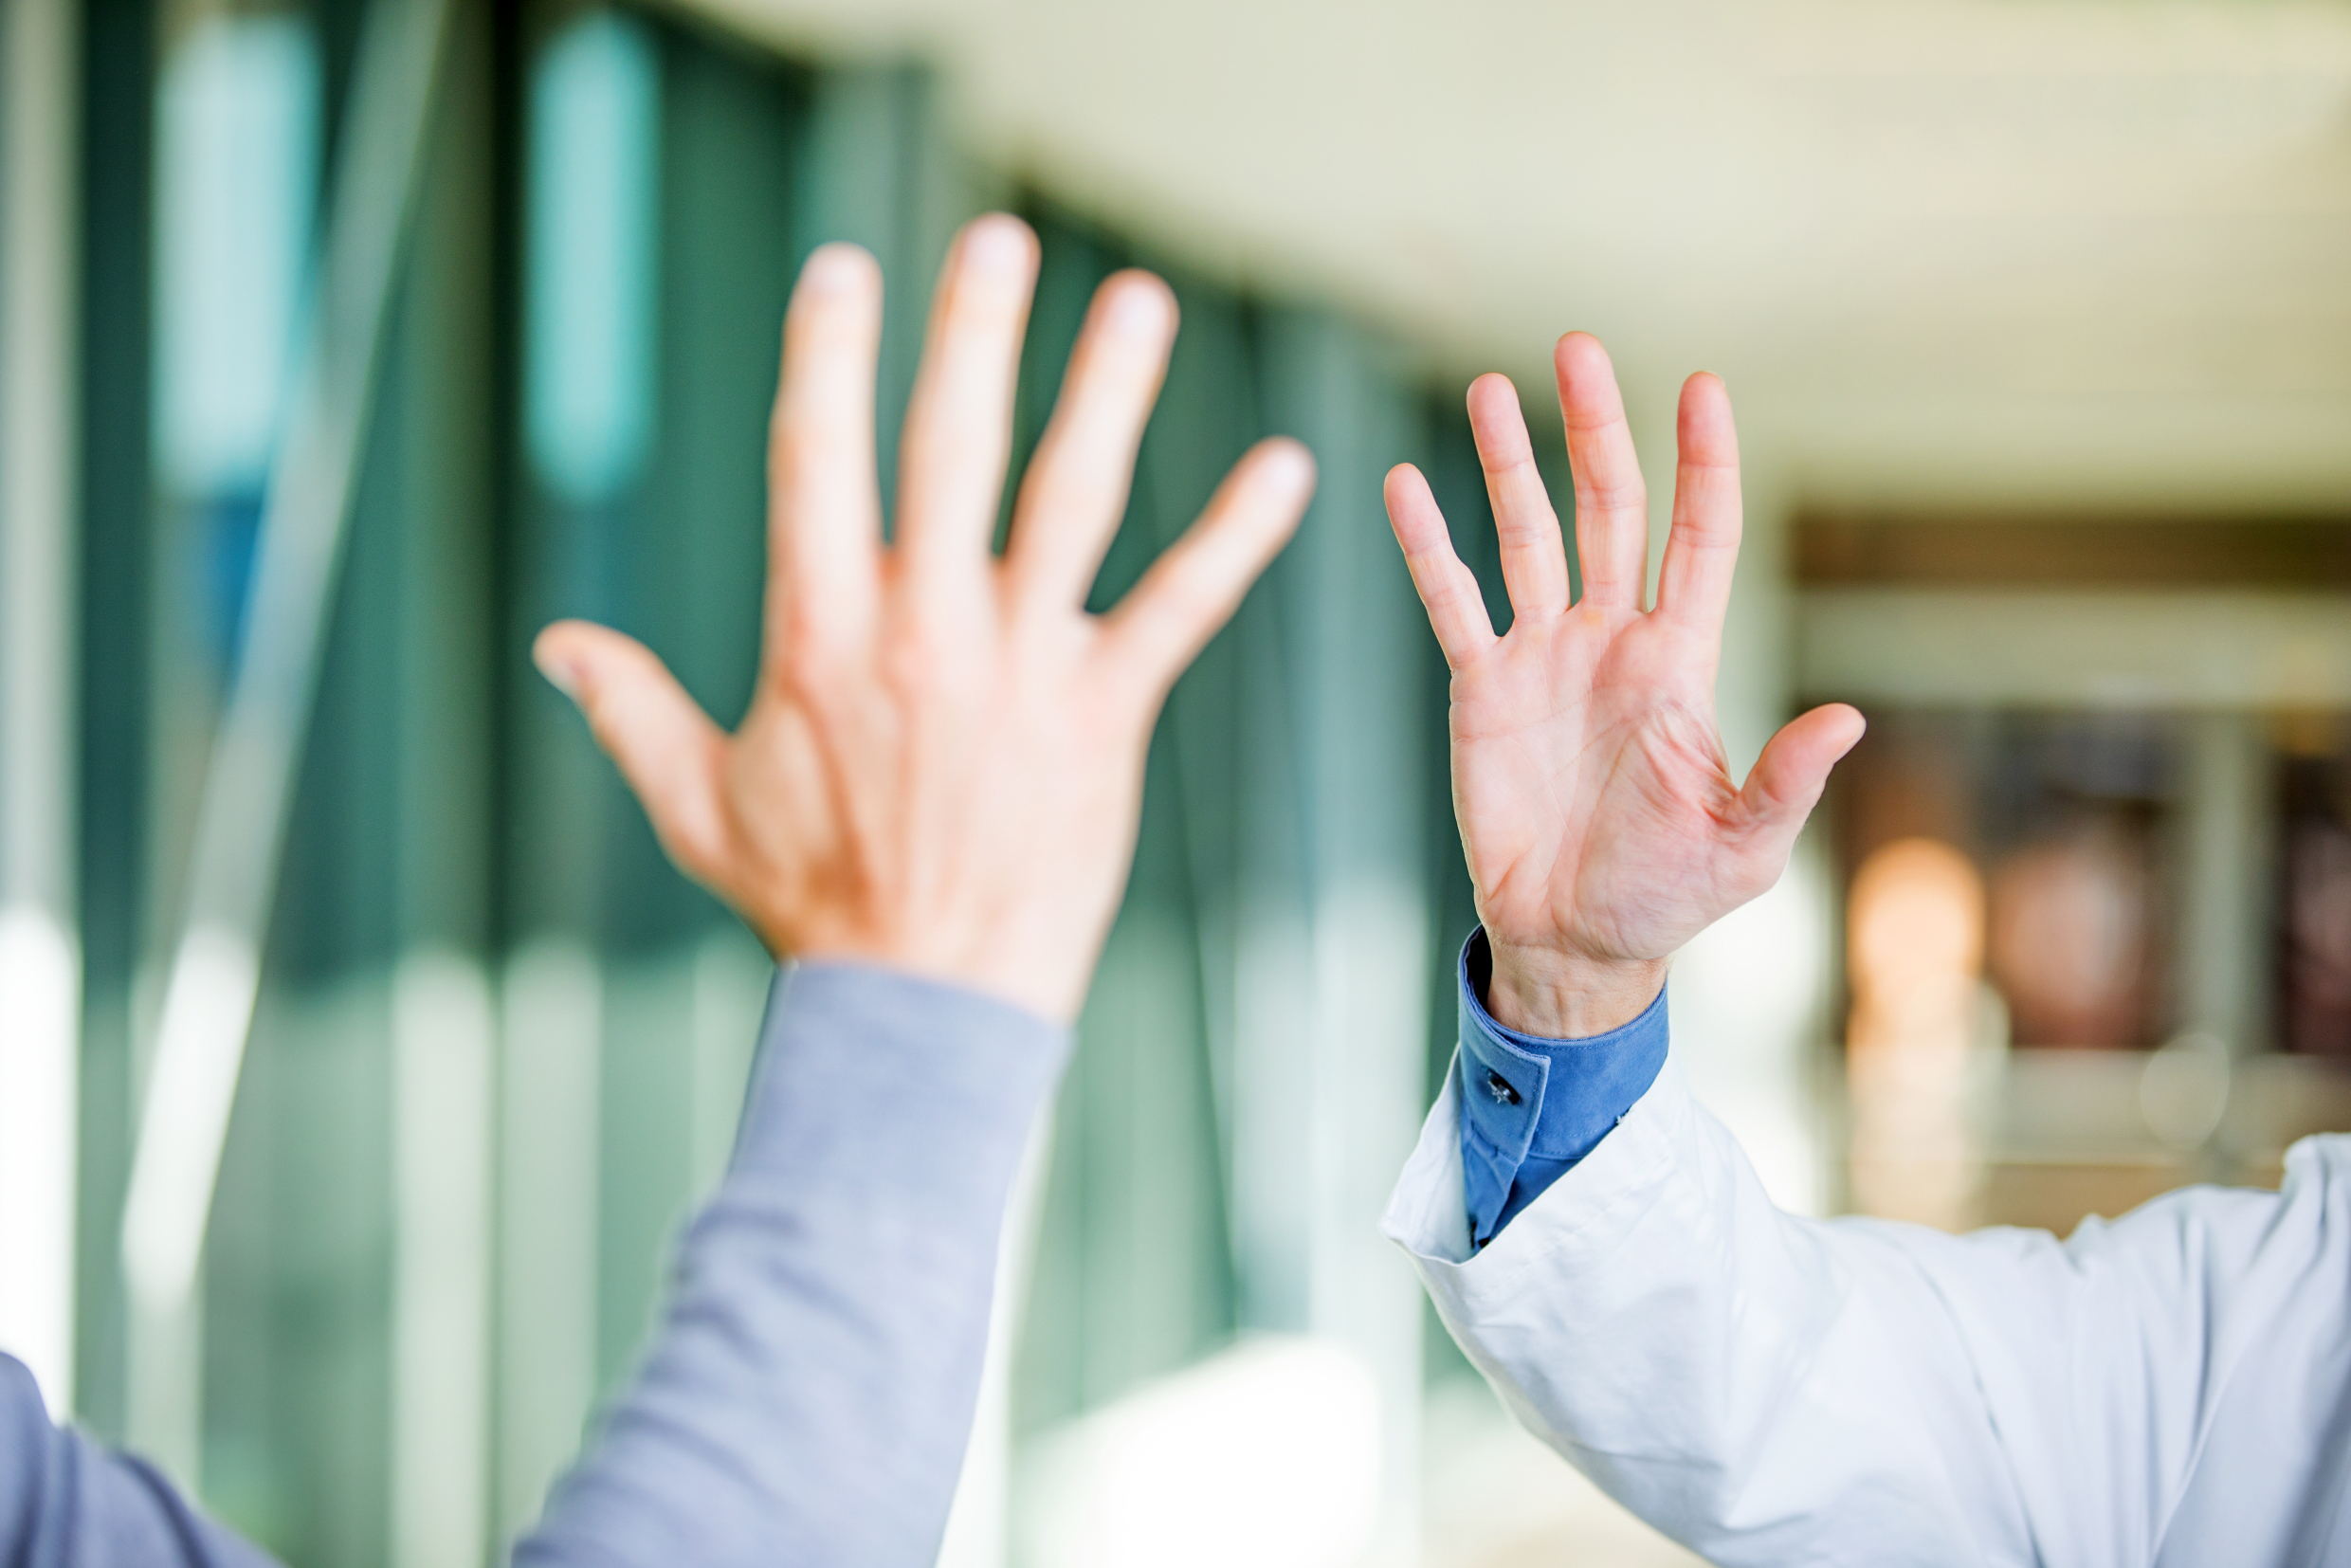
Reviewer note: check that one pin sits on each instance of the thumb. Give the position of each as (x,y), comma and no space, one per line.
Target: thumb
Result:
(1787,780)
(664,744)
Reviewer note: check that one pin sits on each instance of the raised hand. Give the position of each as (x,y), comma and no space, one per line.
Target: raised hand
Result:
(1602,824)
(941,769)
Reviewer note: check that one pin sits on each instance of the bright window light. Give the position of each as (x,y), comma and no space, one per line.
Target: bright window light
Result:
(444,1033)
(207,1005)
(236,194)
(595,128)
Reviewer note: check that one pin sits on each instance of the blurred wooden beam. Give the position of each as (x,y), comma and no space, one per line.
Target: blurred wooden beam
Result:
(2072,551)
(2146,649)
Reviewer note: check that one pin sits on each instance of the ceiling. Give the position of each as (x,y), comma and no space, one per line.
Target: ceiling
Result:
(1975,253)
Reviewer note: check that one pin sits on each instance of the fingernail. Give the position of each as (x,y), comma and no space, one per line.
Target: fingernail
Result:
(997,246)
(561,673)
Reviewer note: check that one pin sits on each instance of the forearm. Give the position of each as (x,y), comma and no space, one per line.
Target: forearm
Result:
(65,1502)
(810,1395)
(1765,1389)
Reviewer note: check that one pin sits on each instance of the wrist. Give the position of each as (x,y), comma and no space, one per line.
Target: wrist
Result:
(1039,969)
(1558,996)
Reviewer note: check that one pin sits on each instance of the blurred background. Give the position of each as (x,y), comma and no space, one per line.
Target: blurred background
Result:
(343,344)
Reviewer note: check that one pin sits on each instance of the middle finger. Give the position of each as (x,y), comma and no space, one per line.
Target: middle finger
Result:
(1611,502)
(958,427)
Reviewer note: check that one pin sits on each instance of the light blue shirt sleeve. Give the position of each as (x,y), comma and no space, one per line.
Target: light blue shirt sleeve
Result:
(1532,1108)
(806,1401)
(810,1393)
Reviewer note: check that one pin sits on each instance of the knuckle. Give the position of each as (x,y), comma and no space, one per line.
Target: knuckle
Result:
(801,444)
(918,659)
(1505,460)
(1613,495)
(807,657)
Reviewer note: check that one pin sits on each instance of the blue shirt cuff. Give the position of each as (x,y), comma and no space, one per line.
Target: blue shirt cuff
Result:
(1532,1108)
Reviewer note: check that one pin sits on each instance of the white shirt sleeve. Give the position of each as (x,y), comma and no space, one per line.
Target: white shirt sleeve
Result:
(2170,1388)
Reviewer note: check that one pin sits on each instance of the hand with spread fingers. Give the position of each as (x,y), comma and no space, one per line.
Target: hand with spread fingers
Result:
(1602,824)
(941,768)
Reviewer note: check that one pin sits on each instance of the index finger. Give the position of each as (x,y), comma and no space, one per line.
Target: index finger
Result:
(1447,589)
(1193,588)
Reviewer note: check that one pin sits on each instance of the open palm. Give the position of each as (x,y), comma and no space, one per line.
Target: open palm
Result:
(1597,810)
